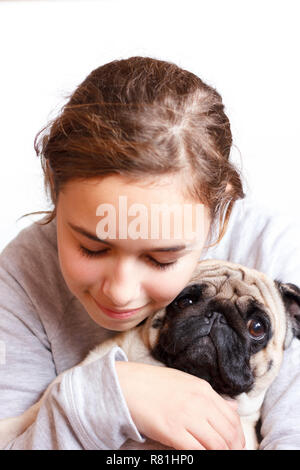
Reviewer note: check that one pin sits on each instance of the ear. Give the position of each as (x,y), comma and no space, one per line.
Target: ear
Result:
(290,294)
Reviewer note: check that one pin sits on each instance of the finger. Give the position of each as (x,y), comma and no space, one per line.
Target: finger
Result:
(218,400)
(227,407)
(208,437)
(186,441)
(229,412)
(224,428)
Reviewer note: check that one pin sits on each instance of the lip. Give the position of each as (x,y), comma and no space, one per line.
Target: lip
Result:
(120,314)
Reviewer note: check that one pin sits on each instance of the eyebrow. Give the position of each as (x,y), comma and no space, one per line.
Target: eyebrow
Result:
(93,237)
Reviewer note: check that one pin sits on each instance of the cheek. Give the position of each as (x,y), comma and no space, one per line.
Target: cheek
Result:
(79,272)
(167,285)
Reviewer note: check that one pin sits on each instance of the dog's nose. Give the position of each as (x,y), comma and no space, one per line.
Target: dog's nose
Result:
(208,318)
(213,316)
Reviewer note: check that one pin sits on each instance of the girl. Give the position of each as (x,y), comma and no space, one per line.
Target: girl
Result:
(146,132)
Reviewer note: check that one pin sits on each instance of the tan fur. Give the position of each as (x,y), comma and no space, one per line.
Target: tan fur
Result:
(244,284)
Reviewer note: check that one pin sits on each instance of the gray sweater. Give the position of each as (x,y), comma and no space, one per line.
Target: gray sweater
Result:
(44,330)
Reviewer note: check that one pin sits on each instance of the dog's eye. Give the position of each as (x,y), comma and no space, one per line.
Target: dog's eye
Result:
(184,302)
(256,328)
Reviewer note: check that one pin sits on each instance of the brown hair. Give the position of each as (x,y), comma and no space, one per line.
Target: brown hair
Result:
(142,117)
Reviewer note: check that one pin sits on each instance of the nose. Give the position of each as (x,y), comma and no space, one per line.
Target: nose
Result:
(121,285)
(211,317)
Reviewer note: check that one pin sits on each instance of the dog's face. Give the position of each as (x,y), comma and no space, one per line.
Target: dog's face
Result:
(229,326)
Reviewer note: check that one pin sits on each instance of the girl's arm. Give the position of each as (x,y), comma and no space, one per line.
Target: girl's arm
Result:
(281,408)
(86,410)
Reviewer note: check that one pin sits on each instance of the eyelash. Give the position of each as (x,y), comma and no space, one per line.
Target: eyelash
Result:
(96,254)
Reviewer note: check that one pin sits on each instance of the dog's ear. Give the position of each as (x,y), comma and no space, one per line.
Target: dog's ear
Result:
(290,294)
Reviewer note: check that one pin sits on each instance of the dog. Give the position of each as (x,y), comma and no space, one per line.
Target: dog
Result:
(229,326)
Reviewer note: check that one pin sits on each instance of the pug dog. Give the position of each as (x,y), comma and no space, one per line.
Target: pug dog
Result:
(229,326)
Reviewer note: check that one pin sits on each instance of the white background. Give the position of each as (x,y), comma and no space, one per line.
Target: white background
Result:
(247,49)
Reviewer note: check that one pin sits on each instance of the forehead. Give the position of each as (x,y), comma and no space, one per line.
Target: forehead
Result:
(147,190)
(157,210)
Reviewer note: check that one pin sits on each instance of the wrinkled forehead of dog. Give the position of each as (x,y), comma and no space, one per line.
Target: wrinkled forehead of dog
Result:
(236,283)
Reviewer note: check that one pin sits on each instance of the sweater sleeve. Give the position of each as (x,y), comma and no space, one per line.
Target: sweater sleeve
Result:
(281,408)
(85,410)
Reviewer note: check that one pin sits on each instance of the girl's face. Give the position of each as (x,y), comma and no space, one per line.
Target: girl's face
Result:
(122,279)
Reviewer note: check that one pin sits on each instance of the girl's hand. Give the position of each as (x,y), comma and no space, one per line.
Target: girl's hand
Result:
(179,410)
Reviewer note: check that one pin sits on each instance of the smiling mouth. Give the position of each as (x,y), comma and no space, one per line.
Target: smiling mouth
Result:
(117,313)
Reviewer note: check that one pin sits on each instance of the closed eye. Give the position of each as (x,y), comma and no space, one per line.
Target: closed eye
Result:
(160,265)
(97,254)
(91,253)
